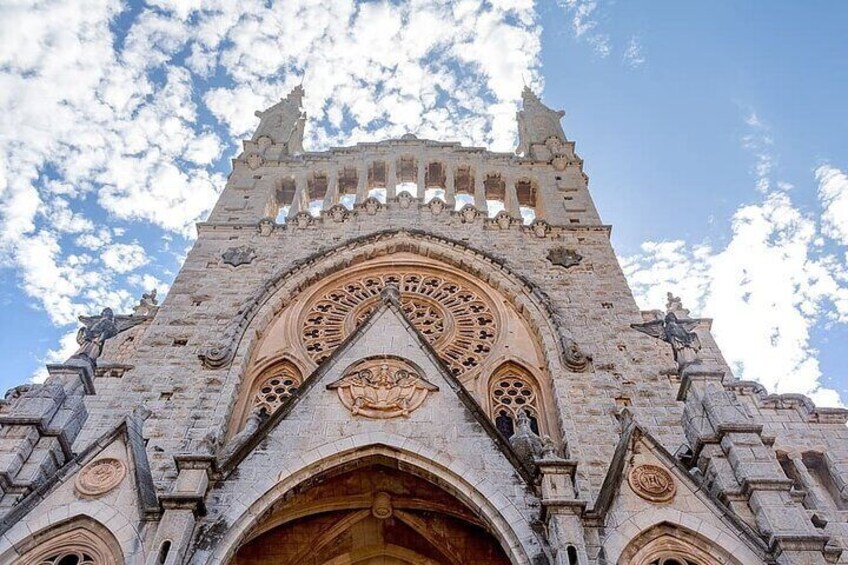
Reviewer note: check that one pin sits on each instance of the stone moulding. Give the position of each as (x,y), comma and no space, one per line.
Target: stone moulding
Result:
(382,388)
(789,401)
(221,352)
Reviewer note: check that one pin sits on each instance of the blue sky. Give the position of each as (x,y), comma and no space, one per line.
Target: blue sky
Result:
(713,135)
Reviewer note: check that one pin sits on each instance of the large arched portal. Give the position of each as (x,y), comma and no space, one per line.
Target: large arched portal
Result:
(370,511)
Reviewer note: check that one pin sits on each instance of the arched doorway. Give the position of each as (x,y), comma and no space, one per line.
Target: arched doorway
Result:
(370,512)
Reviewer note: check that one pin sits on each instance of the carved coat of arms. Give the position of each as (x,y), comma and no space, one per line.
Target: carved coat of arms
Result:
(382,388)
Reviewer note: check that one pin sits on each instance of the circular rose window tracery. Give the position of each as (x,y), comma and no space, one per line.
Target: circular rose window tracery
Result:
(456,319)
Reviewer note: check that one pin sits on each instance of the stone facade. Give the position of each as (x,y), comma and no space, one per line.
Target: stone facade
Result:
(411,352)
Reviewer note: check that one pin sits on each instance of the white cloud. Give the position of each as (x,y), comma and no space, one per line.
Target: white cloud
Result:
(833,194)
(634,56)
(766,289)
(99,129)
(124,257)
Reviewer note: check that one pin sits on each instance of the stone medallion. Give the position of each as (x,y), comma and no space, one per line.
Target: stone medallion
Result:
(100,476)
(382,388)
(652,483)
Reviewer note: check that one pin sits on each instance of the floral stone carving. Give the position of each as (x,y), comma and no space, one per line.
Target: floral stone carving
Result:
(652,483)
(382,388)
(100,476)
(237,256)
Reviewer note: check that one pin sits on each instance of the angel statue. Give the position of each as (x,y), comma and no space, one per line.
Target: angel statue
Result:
(678,333)
(95,331)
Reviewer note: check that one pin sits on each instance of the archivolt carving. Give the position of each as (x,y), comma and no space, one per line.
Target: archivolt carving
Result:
(80,542)
(457,320)
(526,296)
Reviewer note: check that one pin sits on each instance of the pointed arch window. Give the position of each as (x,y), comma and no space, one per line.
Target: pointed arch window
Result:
(513,390)
(273,387)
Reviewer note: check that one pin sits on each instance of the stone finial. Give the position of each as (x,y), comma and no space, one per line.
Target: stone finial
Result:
(147,305)
(675,305)
(284,122)
(537,124)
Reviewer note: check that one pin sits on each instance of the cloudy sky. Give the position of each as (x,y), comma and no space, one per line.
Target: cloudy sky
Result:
(713,135)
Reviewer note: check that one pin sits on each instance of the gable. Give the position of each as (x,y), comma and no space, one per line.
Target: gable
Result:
(646,490)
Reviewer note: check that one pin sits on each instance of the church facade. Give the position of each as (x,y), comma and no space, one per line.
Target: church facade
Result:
(411,352)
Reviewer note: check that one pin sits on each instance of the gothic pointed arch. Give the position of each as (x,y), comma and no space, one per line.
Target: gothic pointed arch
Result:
(236,342)
(265,388)
(672,544)
(79,541)
(513,388)
(346,489)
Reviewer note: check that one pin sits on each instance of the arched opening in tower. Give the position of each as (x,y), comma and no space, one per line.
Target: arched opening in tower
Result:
(372,511)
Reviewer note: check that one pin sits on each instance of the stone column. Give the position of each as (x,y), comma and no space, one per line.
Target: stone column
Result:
(391,178)
(450,188)
(479,188)
(511,197)
(421,176)
(300,202)
(362,182)
(332,196)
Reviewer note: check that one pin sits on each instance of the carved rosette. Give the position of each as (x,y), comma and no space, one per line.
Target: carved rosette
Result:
(652,483)
(370,205)
(382,388)
(469,213)
(100,476)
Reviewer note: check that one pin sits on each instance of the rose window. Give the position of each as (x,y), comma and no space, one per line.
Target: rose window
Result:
(274,390)
(454,318)
(510,395)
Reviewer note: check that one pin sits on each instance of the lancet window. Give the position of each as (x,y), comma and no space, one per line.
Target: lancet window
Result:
(512,391)
(317,187)
(283,197)
(495,189)
(348,181)
(526,192)
(463,186)
(377,181)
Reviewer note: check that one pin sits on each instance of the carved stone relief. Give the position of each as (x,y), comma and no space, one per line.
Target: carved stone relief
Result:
(382,388)
(457,321)
(267,226)
(469,213)
(562,257)
(652,483)
(338,213)
(237,256)
(404,199)
(100,476)
(437,206)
